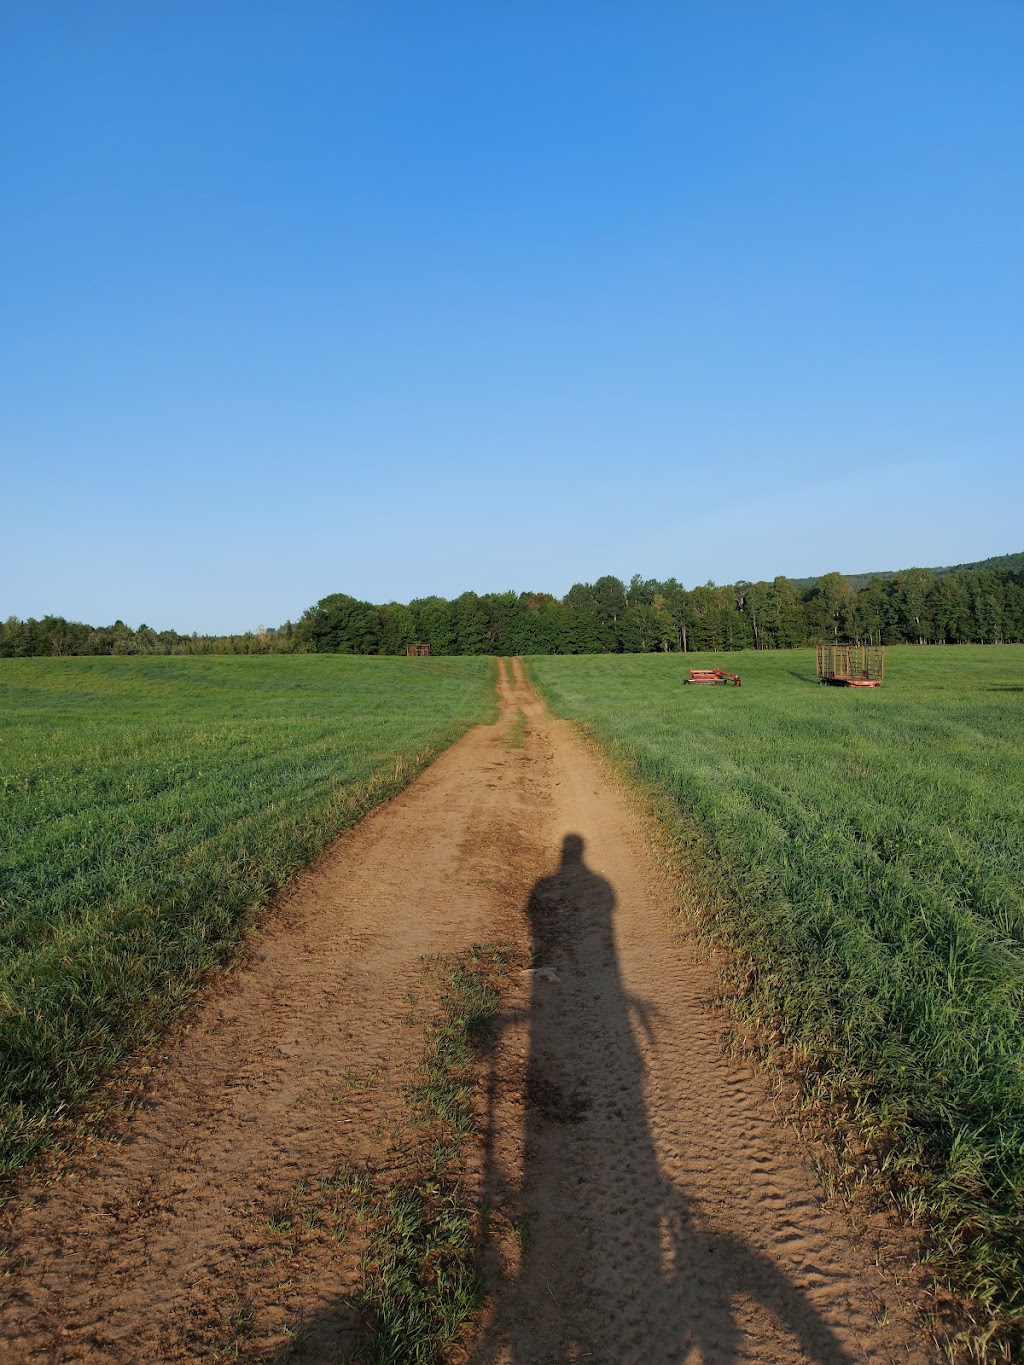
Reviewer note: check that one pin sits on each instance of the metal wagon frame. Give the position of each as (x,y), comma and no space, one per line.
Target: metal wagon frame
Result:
(849,665)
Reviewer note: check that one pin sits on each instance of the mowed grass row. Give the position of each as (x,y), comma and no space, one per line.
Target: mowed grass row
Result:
(147,804)
(871,844)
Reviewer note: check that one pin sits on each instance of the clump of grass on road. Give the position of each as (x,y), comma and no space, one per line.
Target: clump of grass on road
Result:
(516,734)
(422,1286)
(863,853)
(411,1207)
(148,805)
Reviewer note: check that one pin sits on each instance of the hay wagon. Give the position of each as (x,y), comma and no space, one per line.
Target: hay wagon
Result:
(851,665)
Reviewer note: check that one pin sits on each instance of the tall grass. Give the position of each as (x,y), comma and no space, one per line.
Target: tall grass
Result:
(871,847)
(146,805)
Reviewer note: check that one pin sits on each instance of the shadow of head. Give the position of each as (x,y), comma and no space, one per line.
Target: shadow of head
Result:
(574,901)
(572,850)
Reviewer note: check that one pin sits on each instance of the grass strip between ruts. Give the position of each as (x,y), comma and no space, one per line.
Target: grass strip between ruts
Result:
(421,1285)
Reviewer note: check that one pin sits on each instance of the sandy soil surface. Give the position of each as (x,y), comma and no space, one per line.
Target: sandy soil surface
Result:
(647,1200)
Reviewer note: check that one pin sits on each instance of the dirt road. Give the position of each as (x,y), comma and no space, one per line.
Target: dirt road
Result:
(648,1203)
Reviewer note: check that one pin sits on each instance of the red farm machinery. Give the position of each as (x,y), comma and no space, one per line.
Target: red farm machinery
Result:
(713,676)
(851,665)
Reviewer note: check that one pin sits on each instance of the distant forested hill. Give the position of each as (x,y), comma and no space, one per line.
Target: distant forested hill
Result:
(1015,563)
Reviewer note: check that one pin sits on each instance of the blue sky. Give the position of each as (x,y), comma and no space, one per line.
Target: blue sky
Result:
(395,298)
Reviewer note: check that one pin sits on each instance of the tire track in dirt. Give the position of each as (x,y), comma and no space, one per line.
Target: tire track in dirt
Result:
(647,1202)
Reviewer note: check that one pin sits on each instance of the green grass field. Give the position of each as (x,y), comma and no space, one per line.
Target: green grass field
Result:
(870,847)
(148,805)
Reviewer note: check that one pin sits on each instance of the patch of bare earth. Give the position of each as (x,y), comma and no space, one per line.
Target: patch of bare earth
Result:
(644,1200)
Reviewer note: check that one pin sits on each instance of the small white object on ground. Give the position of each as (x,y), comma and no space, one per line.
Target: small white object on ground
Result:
(544,973)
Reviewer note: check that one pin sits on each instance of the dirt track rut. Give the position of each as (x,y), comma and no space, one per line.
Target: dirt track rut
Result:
(648,1202)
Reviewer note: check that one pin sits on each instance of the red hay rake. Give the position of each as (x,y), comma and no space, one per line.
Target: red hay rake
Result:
(713,676)
(851,665)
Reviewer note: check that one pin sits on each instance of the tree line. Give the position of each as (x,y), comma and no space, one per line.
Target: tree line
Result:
(55,637)
(608,616)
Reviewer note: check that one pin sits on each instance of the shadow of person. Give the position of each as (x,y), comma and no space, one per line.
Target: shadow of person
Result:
(616,1264)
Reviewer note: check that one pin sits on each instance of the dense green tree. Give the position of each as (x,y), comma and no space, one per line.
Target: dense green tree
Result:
(639,631)
(987,607)
(1013,610)
(666,634)
(501,611)
(583,633)
(434,624)
(340,624)
(873,610)
(673,599)
(950,609)
(609,596)
(709,616)
(827,606)
(470,624)
(397,628)
(912,603)
(641,591)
